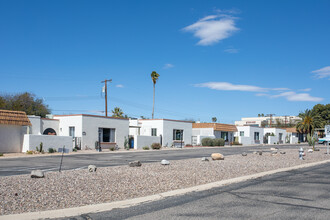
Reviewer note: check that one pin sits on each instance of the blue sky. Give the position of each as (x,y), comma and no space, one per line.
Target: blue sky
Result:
(224,59)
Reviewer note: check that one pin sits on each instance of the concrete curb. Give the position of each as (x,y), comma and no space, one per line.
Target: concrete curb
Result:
(64,213)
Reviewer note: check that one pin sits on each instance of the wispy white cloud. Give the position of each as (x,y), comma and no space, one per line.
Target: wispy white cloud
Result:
(322,73)
(120,86)
(231,87)
(305,90)
(213,28)
(168,66)
(260,91)
(262,94)
(302,97)
(231,50)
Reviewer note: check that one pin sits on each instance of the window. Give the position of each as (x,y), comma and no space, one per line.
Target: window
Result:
(177,135)
(241,133)
(224,135)
(72,132)
(256,136)
(107,135)
(153,131)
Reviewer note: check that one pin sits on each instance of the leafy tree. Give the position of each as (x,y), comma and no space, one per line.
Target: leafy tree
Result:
(309,122)
(154,77)
(324,113)
(25,102)
(214,119)
(117,113)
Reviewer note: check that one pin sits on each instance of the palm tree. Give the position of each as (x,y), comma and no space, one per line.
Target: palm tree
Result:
(309,122)
(154,77)
(117,113)
(214,119)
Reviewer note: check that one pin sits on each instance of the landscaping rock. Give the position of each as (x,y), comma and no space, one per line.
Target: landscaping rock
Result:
(259,152)
(274,149)
(205,159)
(316,149)
(310,150)
(282,152)
(136,163)
(37,174)
(92,168)
(244,154)
(165,162)
(217,156)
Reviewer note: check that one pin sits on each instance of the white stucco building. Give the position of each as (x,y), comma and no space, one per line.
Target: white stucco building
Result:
(279,137)
(212,130)
(90,130)
(259,121)
(170,132)
(249,135)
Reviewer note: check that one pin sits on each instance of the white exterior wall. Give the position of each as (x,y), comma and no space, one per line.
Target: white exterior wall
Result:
(248,137)
(202,131)
(39,125)
(11,138)
(91,127)
(36,124)
(49,141)
(70,121)
(276,131)
(50,123)
(165,129)
(168,131)
(142,141)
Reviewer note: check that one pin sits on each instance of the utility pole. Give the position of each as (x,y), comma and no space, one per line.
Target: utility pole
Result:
(106,95)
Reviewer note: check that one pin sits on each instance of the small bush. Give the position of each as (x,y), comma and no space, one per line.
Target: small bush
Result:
(145,148)
(51,150)
(218,142)
(1,154)
(207,142)
(156,146)
(236,143)
(112,148)
(75,149)
(29,152)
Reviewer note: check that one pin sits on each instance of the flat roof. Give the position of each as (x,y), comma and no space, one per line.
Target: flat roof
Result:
(87,115)
(164,119)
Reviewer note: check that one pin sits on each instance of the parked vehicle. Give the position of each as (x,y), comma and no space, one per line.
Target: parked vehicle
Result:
(325,140)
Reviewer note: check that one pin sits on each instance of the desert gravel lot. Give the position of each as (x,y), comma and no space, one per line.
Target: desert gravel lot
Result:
(19,194)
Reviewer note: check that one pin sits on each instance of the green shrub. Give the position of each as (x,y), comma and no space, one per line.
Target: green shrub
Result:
(218,142)
(29,152)
(1,154)
(112,148)
(156,146)
(145,148)
(75,149)
(207,142)
(51,150)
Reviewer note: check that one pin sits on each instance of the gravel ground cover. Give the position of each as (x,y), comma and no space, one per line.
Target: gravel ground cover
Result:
(74,188)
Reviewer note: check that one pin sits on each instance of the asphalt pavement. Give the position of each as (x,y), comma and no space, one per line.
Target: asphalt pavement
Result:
(24,165)
(295,194)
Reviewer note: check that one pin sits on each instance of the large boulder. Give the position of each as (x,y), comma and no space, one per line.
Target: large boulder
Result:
(217,156)
(136,163)
(37,174)
(92,168)
(165,162)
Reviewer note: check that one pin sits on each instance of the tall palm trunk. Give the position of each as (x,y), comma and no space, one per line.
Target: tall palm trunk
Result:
(153,104)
